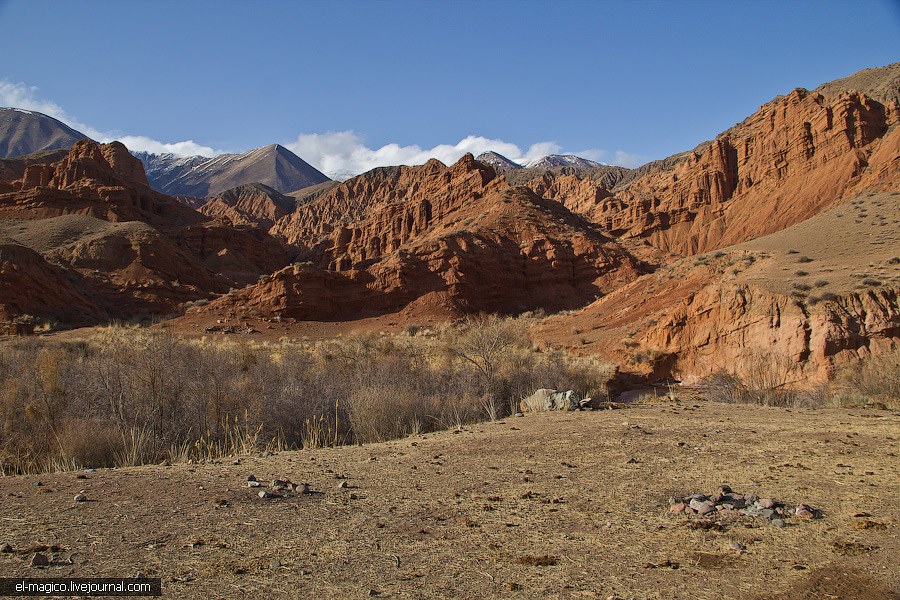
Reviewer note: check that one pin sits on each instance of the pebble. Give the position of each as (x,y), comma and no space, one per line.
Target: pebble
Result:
(738,546)
(803,511)
(39,560)
(275,563)
(251,477)
(301,488)
(38,483)
(266,494)
(253,484)
(343,485)
(777,523)
(677,507)
(765,503)
(6,549)
(81,497)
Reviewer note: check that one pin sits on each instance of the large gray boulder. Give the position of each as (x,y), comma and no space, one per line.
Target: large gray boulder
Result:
(546,399)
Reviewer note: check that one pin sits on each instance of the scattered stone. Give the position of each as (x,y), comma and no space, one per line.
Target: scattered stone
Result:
(275,563)
(804,512)
(765,503)
(267,495)
(632,461)
(81,497)
(343,485)
(253,484)
(301,488)
(39,560)
(38,483)
(251,477)
(678,507)
(777,522)
(738,546)
(6,549)
(519,414)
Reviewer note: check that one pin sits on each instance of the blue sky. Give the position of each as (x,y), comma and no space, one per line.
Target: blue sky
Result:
(616,81)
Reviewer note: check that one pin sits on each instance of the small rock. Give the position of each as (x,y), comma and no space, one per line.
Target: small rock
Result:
(275,563)
(519,414)
(81,497)
(39,560)
(343,485)
(765,503)
(267,495)
(632,461)
(6,549)
(804,511)
(703,507)
(777,523)
(301,488)
(678,507)
(253,484)
(738,546)
(251,477)
(38,483)
(236,462)
(767,513)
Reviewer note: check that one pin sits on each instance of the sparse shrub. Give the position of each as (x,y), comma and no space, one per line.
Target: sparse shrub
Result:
(804,259)
(792,251)
(876,379)
(764,380)
(799,285)
(130,396)
(820,283)
(801,273)
(871,282)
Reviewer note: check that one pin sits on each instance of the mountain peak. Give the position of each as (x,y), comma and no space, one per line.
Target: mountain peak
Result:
(500,163)
(563,160)
(26,131)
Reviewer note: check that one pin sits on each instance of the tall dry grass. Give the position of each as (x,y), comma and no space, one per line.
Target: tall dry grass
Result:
(131,396)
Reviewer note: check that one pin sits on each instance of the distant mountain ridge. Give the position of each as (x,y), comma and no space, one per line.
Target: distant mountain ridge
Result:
(25,132)
(563,160)
(197,176)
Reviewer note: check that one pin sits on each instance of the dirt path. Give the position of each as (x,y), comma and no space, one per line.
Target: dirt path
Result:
(464,513)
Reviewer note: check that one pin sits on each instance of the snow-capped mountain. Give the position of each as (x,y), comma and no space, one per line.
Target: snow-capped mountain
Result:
(500,163)
(26,131)
(563,160)
(199,176)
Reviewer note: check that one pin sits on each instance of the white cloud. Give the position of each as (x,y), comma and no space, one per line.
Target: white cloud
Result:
(20,95)
(628,159)
(337,154)
(140,143)
(343,153)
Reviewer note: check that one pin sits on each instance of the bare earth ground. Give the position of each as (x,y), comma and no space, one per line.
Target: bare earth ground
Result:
(450,514)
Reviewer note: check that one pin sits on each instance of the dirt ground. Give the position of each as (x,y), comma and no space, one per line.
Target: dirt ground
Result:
(543,506)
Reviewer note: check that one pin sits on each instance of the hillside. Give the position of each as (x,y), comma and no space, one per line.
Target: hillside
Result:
(26,132)
(804,301)
(88,226)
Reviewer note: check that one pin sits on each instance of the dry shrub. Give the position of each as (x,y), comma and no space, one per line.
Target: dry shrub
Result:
(876,379)
(765,380)
(129,396)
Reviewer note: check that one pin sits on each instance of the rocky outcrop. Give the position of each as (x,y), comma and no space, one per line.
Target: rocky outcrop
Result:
(251,204)
(31,287)
(160,254)
(458,237)
(754,333)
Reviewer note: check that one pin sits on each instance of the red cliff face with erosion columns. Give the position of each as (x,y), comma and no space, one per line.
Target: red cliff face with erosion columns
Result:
(453,239)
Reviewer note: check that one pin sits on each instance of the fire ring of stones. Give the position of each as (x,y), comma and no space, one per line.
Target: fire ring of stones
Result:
(726,507)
